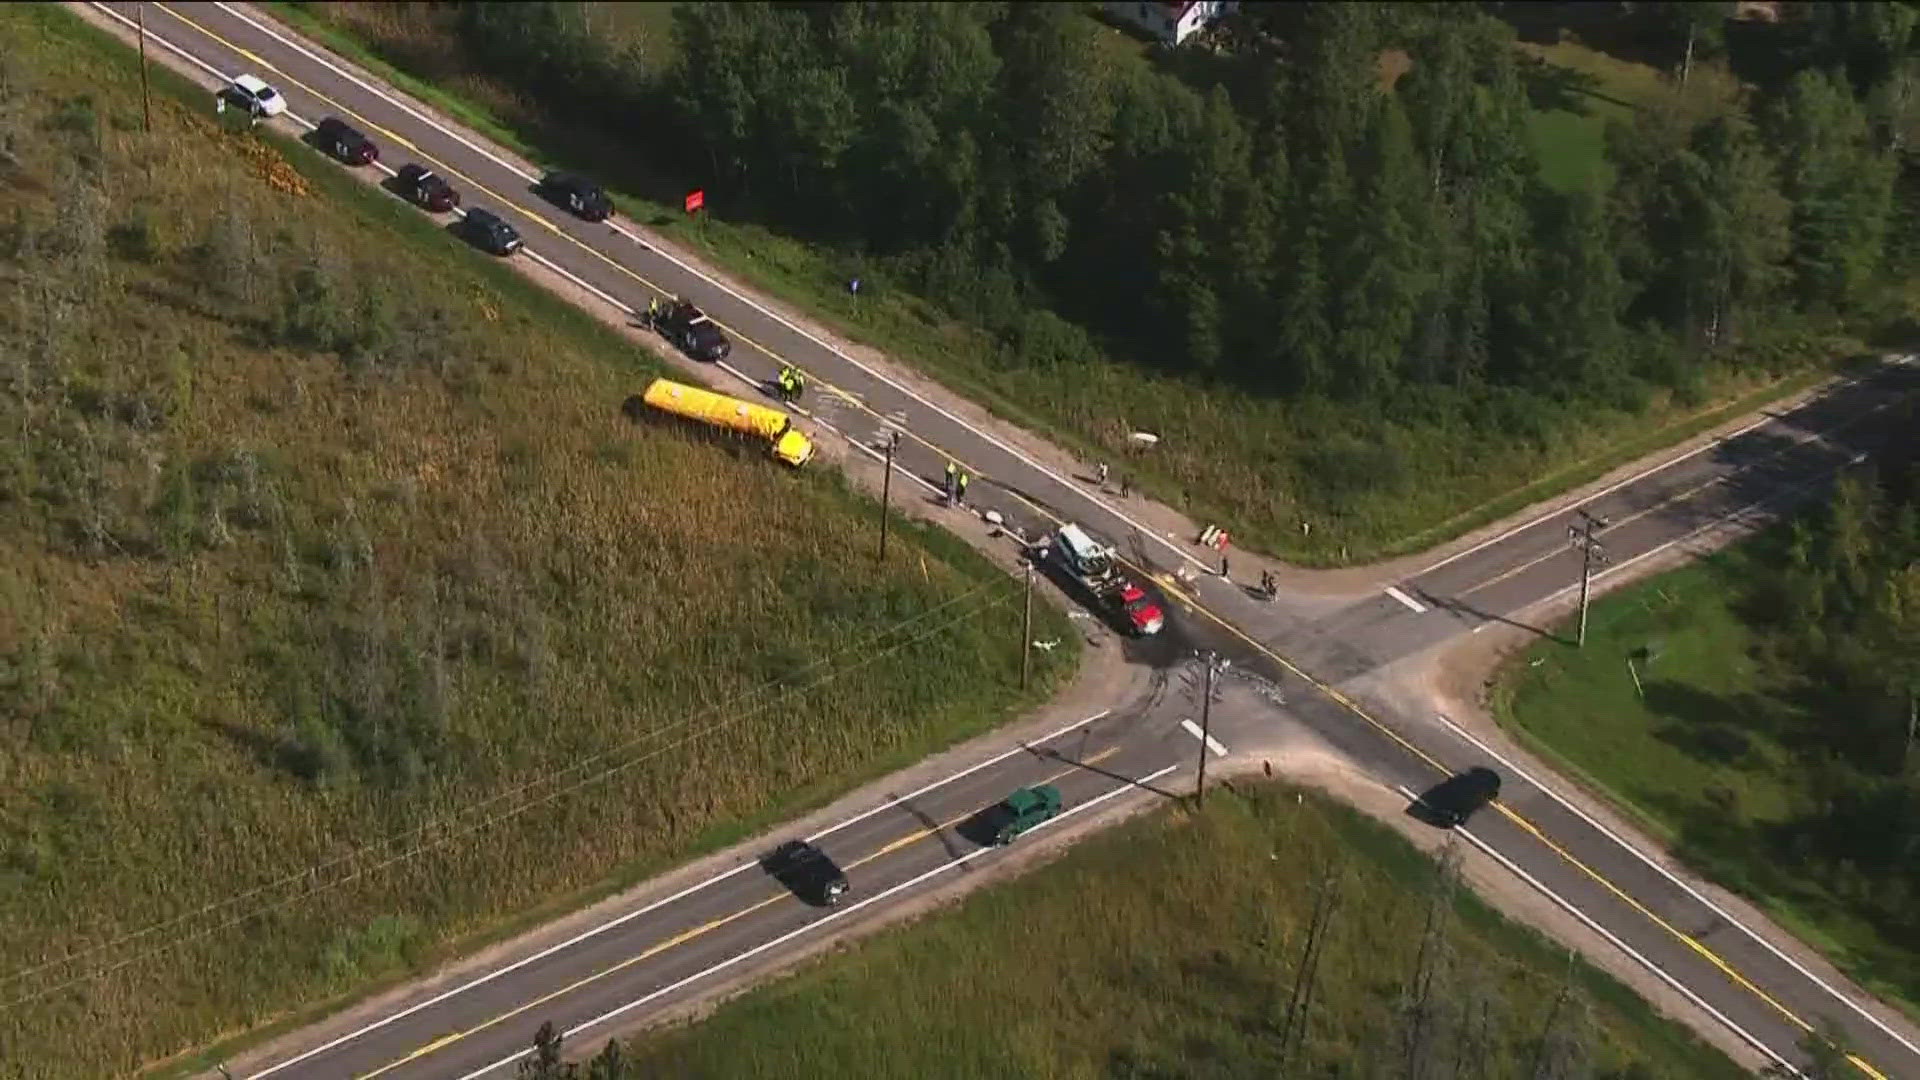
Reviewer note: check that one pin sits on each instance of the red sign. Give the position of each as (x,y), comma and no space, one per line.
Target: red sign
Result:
(696,199)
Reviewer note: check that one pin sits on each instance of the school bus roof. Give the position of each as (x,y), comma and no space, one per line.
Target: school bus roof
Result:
(718,409)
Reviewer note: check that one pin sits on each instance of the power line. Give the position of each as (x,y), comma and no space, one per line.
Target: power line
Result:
(455,829)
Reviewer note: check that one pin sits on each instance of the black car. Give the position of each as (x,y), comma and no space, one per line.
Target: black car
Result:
(807,871)
(493,235)
(424,186)
(578,194)
(336,137)
(1453,800)
(689,328)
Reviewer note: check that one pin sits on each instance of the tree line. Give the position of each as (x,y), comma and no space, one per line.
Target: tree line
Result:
(1341,200)
(1843,614)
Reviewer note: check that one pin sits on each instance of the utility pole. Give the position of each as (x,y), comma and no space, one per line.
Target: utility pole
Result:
(886,494)
(1026,626)
(1592,552)
(146,96)
(1210,663)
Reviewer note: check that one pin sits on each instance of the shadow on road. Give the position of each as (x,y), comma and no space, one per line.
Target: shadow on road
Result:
(933,827)
(1109,773)
(1457,606)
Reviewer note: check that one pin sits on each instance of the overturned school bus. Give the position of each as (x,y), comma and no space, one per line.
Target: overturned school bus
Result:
(757,422)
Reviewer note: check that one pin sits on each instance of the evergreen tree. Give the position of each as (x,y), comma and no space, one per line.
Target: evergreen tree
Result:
(1838,185)
(1379,273)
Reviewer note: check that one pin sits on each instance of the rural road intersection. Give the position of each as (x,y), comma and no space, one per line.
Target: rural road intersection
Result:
(1293,663)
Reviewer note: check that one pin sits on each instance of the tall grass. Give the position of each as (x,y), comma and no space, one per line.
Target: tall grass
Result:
(345,617)
(1171,947)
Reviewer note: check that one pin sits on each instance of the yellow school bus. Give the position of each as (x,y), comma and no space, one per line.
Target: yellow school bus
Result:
(757,422)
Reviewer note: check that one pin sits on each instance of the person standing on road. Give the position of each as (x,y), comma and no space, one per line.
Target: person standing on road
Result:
(1101,474)
(953,472)
(960,492)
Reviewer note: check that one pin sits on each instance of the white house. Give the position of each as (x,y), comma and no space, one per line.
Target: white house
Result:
(1172,23)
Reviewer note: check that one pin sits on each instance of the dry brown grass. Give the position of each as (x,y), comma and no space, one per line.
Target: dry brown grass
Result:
(416,608)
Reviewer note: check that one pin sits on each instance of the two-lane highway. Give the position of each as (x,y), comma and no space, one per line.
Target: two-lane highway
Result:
(1766,467)
(1734,975)
(674,946)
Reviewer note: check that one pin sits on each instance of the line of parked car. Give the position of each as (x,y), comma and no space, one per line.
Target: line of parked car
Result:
(681,322)
(417,183)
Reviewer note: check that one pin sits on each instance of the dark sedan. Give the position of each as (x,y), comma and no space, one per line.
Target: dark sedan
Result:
(345,142)
(585,198)
(806,870)
(1453,800)
(493,235)
(426,188)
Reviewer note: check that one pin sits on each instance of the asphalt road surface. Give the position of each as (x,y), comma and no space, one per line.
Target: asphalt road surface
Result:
(1289,662)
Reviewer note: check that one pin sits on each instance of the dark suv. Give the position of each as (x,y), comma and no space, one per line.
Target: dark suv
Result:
(807,871)
(689,328)
(578,194)
(491,234)
(423,186)
(344,142)
(1453,800)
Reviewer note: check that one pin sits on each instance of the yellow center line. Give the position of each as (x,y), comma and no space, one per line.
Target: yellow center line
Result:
(1348,703)
(683,937)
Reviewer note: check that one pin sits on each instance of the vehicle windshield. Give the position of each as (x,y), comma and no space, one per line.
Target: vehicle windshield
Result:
(265,93)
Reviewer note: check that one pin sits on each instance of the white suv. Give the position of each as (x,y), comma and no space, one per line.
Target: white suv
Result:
(252,93)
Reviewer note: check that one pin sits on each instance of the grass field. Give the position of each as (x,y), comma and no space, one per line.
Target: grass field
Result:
(1695,752)
(1422,473)
(1170,947)
(346,620)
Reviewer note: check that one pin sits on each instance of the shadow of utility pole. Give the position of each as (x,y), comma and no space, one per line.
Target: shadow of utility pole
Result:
(1110,774)
(933,827)
(1461,607)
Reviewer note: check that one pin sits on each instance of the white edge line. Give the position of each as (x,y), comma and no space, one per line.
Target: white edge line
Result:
(959,860)
(1213,744)
(1590,924)
(1676,880)
(683,893)
(871,372)
(1418,607)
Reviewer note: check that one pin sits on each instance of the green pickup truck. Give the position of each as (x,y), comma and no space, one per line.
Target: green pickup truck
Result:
(1022,811)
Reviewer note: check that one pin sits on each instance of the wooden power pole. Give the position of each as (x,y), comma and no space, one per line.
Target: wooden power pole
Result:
(1592,552)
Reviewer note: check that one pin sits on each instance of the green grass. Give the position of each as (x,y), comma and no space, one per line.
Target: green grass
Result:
(1692,753)
(270,607)
(1571,144)
(1260,466)
(1168,947)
